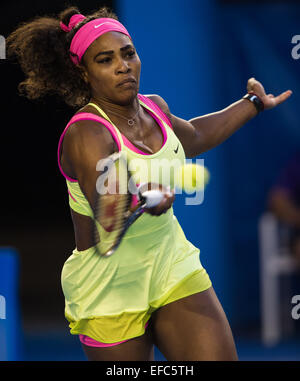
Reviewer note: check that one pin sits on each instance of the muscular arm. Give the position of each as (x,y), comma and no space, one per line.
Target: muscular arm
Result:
(206,132)
(203,133)
(86,143)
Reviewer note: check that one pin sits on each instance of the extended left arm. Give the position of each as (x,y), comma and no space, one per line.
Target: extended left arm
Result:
(206,132)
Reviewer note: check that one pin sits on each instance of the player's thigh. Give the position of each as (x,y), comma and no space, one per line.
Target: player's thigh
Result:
(137,349)
(194,328)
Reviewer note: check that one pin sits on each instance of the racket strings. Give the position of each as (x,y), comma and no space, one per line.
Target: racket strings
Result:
(113,205)
(112,211)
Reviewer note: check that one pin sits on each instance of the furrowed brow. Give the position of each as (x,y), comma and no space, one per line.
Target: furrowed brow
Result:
(126,47)
(104,53)
(110,52)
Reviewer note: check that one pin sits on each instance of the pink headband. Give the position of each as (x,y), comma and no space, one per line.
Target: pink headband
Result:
(89,32)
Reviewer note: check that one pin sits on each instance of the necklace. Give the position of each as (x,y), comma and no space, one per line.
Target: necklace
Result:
(130,121)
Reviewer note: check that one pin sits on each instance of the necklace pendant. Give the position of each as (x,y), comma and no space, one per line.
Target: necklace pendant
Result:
(130,122)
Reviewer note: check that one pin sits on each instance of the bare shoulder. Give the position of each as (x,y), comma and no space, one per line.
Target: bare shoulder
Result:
(87,138)
(89,129)
(160,102)
(84,133)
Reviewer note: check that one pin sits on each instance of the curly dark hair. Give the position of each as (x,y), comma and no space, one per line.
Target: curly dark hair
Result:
(42,49)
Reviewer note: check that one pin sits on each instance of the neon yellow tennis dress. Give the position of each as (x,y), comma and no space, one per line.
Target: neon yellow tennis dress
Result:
(110,299)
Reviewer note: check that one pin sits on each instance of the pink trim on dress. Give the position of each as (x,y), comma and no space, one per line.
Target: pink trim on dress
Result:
(94,343)
(160,124)
(109,126)
(85,116)
(150,103)
(71,196)
(129,145)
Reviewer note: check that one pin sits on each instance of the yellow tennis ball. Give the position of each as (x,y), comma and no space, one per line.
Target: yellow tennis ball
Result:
(191,177)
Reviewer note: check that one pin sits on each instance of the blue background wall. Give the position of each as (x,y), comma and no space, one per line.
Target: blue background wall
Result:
(198,55)
(257,42)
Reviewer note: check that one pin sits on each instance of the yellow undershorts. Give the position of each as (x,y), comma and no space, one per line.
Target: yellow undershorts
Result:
(125,326)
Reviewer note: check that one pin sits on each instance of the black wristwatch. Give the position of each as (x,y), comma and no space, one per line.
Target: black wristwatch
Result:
(255,100)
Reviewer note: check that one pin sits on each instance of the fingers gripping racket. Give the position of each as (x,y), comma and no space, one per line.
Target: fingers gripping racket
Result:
(120,202)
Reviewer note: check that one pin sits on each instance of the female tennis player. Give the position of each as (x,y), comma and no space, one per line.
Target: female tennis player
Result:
(153,290)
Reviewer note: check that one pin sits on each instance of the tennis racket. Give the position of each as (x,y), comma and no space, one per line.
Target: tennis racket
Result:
(120,202)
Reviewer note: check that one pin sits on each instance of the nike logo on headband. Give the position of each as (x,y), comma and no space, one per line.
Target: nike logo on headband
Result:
(97,26)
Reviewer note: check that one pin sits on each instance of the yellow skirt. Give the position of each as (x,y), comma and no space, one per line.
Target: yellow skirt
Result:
(111,299)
